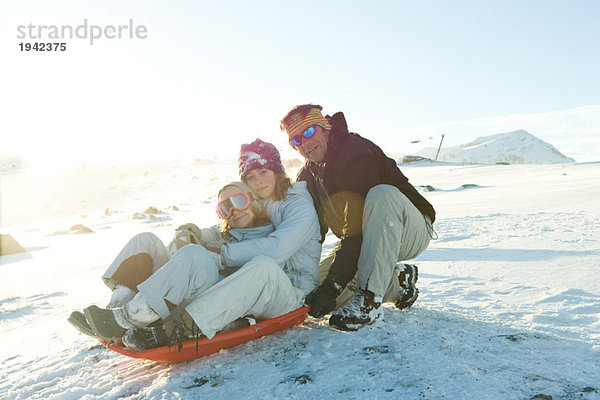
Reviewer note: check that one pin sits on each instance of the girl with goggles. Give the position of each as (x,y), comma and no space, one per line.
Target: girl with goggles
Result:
(176,272)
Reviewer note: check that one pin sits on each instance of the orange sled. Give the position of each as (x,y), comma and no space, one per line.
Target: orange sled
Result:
(194,349)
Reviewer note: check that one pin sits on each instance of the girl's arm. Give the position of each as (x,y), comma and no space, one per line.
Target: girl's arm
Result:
(298,226)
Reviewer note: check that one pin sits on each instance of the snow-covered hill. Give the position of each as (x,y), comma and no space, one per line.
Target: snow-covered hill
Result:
(518,147)
(576,131)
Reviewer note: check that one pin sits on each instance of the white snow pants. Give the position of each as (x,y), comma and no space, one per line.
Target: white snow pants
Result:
(393,230)
(260,288)
(143,243)
(191,271)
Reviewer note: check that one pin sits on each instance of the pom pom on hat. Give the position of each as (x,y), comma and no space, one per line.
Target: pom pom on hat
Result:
(259,154)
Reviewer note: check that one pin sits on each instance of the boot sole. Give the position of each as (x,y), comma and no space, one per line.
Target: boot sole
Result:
(355,327)
(89,316)
(80,323)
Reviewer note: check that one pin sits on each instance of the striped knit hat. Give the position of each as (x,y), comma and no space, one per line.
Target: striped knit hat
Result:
(305,115)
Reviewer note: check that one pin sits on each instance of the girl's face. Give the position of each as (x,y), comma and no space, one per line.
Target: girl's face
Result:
(262,182)
(239,219)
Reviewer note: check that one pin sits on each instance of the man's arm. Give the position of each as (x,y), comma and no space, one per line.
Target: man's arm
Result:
(360,175)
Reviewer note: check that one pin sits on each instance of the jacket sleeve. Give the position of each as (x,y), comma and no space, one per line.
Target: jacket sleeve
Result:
(299,219)
(305,175)
(363,174)
(211,234)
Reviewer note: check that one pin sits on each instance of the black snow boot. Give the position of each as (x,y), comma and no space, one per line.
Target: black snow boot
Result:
(176,329)
(364,309)
(77,319)
(103,323)
(145,338)
(407,276)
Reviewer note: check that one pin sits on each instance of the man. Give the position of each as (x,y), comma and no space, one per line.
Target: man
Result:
(366,201)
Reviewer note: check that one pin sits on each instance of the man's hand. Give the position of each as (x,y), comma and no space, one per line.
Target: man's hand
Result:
(322,299)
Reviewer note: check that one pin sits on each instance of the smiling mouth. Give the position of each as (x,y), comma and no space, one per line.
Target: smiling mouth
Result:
(312,150)
(236,219)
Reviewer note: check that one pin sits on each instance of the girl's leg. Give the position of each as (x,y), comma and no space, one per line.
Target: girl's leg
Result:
(141,256)
(191,271)
(260,288)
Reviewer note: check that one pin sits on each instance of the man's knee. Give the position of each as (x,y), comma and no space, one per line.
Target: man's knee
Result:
(384,195)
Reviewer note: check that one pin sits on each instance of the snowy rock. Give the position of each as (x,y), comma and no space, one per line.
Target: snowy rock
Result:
(518,147)
(81,228)
(8,245)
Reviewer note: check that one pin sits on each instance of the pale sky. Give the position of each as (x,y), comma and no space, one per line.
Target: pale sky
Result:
(212,75)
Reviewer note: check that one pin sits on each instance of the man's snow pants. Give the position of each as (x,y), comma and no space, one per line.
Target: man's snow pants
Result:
(393,230)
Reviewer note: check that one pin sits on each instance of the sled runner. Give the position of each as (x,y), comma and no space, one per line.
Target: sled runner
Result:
(203,346)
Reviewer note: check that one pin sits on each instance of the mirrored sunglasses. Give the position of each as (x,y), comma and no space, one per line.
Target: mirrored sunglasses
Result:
(296,141)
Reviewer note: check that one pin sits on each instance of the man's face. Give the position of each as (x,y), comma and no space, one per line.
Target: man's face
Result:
(314,148)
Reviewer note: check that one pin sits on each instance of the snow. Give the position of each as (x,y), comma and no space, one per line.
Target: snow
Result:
(509,302)
(518,147)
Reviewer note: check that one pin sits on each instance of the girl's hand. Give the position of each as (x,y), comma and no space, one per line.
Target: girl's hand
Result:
(214,246)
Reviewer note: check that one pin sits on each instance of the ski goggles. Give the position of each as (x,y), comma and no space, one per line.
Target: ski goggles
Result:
(236,201)
(296,141)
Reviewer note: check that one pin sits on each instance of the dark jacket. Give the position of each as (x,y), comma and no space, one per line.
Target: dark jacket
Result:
(339,185)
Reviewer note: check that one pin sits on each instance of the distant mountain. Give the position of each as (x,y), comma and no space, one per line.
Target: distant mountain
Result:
(576,131)
(518,147)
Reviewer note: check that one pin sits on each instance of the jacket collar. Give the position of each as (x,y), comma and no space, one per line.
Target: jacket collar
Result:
(338,134)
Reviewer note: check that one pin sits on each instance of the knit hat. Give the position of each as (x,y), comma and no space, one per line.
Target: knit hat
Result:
(259,154)
(305,115)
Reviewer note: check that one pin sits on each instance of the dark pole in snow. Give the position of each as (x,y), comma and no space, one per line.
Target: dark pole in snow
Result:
(439,148)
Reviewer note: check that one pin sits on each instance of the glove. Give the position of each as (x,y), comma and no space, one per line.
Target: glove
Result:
(193,228)
(322,299)
(184,235)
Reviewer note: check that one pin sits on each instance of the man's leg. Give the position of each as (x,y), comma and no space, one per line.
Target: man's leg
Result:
(260,288)
(393,229)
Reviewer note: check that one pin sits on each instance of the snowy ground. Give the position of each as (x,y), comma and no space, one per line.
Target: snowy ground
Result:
(509,305)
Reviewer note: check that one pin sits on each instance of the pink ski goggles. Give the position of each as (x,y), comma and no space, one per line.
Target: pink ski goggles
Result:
(236,201)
